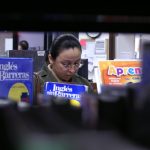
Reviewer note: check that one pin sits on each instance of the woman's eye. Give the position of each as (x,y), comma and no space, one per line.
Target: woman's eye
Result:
(65,65)
(77,64)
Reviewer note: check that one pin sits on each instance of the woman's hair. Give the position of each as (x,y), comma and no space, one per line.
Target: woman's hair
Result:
(24,44)
(63,42)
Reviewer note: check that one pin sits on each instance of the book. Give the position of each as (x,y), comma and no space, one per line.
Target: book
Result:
(69,91)
(120,72)
(16,79)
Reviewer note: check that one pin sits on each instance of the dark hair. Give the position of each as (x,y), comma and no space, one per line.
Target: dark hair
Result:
(62,42)
(24,44)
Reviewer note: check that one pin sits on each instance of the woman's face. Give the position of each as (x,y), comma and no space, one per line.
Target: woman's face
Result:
(67,63)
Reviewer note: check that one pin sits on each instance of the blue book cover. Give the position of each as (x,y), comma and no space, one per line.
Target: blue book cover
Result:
(16,79)
(70,91)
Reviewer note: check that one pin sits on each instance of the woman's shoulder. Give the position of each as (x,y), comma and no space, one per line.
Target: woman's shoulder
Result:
(82,80)
(41,74)
(43,71)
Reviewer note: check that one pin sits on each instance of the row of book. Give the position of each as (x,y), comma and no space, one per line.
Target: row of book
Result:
(16,79)
(16,82)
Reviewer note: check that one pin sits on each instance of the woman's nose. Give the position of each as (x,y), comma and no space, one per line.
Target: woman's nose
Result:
(72,69)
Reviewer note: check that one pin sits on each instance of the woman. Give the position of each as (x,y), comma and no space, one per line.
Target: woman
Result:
(23,45)
(64,61)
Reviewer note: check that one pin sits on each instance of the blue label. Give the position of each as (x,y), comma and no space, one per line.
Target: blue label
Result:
(16,78)
(70,91)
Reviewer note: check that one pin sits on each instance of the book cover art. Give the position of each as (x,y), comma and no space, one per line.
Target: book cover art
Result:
(16,78)
(120,72)
(70,91)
